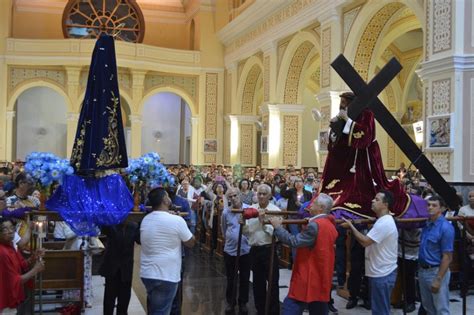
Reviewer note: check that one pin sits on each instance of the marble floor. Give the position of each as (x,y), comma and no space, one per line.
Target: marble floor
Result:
(204,290)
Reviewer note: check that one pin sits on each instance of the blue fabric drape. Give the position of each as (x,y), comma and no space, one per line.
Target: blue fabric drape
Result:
(85,203)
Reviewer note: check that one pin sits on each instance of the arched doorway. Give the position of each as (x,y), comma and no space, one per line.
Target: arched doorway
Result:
(40,123)
(166,127)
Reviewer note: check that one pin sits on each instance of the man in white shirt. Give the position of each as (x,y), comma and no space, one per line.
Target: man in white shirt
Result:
(161,235)
(381,246)
(260,239)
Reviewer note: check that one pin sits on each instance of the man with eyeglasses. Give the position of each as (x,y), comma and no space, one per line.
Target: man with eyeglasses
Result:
(260,239)
(230,229)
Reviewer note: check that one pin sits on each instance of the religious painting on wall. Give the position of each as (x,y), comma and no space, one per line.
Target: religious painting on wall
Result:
(439,131)
(323,140)
(210,146)
(264,144)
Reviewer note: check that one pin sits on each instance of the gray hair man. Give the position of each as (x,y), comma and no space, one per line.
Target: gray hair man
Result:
(260,238)
(313,268)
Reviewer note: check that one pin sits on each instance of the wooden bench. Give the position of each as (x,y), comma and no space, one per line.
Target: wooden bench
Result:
(64,270)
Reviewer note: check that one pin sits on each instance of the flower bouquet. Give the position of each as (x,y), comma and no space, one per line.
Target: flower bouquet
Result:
(46,169)
(147,172)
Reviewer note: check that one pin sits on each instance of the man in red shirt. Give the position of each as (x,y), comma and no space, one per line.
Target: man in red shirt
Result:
(311,278)
(13,269)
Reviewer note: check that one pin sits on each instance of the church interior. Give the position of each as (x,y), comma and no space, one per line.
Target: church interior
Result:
(237,89)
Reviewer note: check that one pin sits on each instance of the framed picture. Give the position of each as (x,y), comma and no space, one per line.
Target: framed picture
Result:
(210,146)
(264,144)
(323,140)
(439,132)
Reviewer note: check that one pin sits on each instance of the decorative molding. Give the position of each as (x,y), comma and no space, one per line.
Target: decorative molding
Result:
(20,74)
(136,119)
(266,78)
(326,116)
(442,25)
(294,72)
(326,57)
(441,161)
(348,19)
(290,140)
(441,90)
(294,17)
(370,37)
(281,52)
(78,52)
(185,82)
(283,108)
(391,100)
(227,144)
(249,91)
(427,30)
(10,114)
(390,152)
(209,158)
(446,65)
(264,158)
(211,106)
(73,117)
(246,144)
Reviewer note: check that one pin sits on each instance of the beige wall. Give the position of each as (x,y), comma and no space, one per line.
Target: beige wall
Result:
(167,35)
(37,25)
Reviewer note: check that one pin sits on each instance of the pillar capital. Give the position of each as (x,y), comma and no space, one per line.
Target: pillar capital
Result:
(10,114)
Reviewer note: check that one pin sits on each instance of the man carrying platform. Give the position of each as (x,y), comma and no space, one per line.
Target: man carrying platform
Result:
(311,279)
(260,239)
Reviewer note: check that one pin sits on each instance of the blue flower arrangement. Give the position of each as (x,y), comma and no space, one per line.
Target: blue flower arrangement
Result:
(147,170)
(46,168)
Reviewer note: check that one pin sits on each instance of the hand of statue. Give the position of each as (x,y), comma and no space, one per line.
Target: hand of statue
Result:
(435,285)
(276,221)
(343,114)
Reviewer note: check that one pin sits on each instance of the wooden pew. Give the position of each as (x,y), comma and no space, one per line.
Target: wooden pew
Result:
(64,270)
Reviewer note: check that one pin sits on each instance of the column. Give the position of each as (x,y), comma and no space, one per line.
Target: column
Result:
(9,149)
(136,122)
(194,139)
(243,140)
(284,134)
(270,71)
(138,85)
(5,32)
(448,82)
(73,86)
(72,120)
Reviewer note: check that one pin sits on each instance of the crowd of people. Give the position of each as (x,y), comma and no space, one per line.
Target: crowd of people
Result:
(212,192)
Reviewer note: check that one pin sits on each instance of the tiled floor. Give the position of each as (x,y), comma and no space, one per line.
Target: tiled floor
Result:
(204,291)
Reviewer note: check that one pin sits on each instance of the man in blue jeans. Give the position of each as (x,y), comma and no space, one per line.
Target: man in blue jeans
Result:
(436,253)
(161,235)
(381,248)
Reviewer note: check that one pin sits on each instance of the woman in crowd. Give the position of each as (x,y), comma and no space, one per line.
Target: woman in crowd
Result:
(246,194)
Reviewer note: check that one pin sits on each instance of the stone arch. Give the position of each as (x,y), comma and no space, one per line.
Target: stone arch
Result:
(289,75)
(367,28)
(172,89)
(28,84)
(247,86)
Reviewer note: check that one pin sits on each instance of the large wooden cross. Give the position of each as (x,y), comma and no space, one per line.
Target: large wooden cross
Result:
(366,96)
